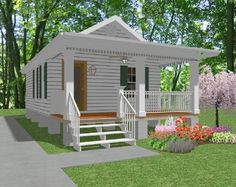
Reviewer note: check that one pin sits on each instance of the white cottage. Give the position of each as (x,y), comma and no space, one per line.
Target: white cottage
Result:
(107,72)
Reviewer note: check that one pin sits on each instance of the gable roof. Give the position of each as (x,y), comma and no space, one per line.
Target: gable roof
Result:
(113,27)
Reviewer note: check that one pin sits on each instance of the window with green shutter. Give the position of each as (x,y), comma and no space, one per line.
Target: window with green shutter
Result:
(40,82)
(45,80)
(37,83)
(33,83)
(146,78)
(123,75)
(131,78)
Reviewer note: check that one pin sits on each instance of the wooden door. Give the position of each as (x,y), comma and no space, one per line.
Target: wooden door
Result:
(80,84)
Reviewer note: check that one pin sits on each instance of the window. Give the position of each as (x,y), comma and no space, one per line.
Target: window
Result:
(40,82)
(131,78)
(33,83)
(45,73)
(146,78)
(62,75)
(37,83)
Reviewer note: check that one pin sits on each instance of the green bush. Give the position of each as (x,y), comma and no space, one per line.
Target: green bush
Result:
(161,144)
(222,137)
(180,146)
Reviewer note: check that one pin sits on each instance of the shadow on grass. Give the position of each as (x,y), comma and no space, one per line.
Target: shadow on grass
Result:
(53,143)
(50,143)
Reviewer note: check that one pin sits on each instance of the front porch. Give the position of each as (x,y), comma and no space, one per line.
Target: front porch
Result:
(159,102)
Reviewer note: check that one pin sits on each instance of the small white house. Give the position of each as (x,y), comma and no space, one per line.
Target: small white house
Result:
(106,71)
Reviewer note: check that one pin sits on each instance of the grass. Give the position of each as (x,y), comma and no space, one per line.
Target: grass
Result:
(51,144)
(12,112)
(226,117)
(206,165)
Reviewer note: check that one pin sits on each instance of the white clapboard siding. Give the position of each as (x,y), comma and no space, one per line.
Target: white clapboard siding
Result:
(114,29)
(102,88)
(53,84)
(154,74)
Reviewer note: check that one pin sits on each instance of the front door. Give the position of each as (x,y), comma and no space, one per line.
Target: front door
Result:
(80,84)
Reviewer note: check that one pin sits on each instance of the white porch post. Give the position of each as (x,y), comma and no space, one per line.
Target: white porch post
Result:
(194,87)
(68,77)
(140,87)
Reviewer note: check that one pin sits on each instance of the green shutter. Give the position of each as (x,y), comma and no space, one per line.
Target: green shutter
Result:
(37,81)
(123,75)
(146,78)
(33,84)
(40,82)
(45,80)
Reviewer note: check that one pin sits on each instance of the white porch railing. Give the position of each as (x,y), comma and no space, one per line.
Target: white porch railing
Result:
(131,96)
(127,113)
(159,101)
(74,117)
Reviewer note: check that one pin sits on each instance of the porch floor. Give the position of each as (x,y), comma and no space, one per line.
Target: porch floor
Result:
(111,116)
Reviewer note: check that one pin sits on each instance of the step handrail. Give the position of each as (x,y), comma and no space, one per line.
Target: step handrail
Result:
(74,117)
(127,114)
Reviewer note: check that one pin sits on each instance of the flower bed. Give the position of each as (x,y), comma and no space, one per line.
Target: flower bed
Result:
(180,137)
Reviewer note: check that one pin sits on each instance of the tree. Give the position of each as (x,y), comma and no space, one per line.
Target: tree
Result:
(217,90)
(230,35)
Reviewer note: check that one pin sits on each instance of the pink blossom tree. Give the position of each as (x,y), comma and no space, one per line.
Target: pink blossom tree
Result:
(217,90)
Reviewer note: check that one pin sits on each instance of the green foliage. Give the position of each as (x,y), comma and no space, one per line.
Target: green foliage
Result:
(12,112)
(197,23)
(161,144)
(222,137)
(180,146)
(167,76)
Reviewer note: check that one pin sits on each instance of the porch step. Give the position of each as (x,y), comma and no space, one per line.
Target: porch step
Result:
(98,121)
(126,140)
(102,133)
(99,125)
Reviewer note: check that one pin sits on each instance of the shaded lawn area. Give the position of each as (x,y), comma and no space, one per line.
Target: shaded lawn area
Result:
(206,165)
(51,144)
(12,112)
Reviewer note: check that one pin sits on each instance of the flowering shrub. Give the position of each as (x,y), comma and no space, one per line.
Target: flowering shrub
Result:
(184,131)
(161,144)
(234,139)
(221,129)
(200,133)
(222,137)
(180,136)
(164,128)
(162,135)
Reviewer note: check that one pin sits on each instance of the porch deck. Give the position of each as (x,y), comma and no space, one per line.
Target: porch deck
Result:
(111,116)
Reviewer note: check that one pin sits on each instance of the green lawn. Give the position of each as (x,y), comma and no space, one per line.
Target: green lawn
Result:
(225,118)
(53,144)
(206,165)
(12,112)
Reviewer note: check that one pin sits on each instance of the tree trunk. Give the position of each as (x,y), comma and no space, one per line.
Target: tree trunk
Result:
(230,35)
(217,114)
(176,77)
(3,71)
